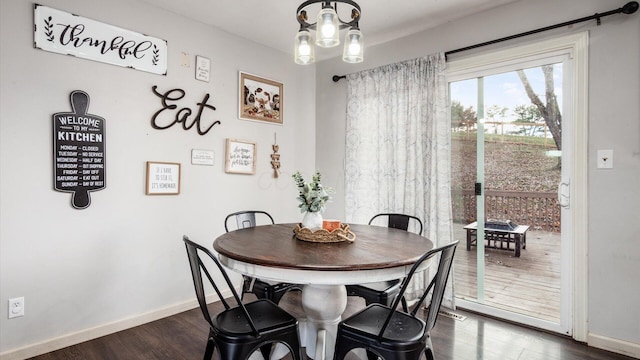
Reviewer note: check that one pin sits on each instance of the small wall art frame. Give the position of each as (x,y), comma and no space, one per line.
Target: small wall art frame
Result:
(203,68)
(260,99)
(240,157)
(163,178)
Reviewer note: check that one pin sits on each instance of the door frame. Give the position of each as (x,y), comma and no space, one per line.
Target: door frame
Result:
(575,46)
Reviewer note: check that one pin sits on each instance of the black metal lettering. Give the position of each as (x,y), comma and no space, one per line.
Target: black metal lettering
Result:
(182,115)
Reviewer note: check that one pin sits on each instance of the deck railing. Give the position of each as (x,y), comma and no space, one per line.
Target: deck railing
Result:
(539,210)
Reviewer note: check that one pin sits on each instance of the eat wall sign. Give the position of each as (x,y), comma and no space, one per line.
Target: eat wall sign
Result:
(170,115)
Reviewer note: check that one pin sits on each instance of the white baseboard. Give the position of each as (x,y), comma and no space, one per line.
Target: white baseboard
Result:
(614,345)
(98,331)
(597,341)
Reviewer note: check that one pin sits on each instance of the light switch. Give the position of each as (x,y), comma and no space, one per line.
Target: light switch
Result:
(605,159)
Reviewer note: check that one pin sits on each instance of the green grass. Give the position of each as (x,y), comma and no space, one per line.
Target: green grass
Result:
(512,139)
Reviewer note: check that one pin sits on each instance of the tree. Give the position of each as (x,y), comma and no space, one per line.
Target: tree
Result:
(528,114)
(549,110)
(461,117)
(496,114)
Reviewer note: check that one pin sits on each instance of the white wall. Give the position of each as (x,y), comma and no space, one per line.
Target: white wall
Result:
(122,259)
(614,123)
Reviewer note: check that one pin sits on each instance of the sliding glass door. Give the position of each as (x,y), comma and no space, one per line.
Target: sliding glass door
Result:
(508,158)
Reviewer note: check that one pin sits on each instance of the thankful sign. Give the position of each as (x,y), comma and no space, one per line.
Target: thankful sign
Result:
(64,33)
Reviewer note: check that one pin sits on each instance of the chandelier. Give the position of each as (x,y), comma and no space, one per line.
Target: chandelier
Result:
(327,28)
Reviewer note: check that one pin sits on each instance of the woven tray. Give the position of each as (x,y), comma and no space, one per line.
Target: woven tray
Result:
(343,233)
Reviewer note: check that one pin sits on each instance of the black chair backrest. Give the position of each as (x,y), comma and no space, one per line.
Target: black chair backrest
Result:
(399,221)
(198,268)
(437,284)
(245,219)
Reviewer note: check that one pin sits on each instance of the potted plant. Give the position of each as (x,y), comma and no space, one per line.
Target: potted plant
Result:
(312,197)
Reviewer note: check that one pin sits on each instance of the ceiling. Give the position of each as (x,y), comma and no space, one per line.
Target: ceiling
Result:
(273,23)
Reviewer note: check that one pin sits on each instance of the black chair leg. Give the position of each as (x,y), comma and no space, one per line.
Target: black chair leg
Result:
(278,296)
(266,351)
(429,354)
(208,352)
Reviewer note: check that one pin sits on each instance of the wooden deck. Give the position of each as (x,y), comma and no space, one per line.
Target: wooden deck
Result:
(528,285)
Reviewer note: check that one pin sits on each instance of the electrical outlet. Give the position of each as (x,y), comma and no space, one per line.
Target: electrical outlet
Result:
(605,159)
(16,307)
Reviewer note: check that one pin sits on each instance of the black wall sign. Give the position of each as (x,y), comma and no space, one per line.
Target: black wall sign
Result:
(78,151)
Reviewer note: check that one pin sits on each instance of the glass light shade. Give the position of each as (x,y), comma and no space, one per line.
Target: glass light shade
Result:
(353,47)
(327,28)
(304,51)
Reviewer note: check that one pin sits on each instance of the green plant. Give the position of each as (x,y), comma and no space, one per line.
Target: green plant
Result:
(312,195)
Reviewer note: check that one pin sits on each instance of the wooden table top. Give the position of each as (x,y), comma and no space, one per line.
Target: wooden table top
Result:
(375,247)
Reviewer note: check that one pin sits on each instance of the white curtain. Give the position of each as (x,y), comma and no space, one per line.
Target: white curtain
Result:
(398,149)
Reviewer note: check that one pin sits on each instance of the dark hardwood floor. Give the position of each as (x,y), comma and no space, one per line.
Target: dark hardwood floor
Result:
(183,336)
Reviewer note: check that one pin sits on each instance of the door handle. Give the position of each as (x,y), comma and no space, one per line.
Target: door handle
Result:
(564,192)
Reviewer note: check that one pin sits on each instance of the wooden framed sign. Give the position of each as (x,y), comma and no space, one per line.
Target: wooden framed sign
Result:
(240,157)
(163,178)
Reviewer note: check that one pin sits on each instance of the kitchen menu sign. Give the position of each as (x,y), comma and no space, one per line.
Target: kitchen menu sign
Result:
(68,34)
(78,151)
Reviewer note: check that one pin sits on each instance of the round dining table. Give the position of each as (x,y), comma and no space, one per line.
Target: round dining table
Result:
(272,252)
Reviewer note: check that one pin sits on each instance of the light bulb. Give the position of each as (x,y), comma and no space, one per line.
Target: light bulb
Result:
(304,49)
(353,48)
(328,31)
(327,28)
(304,53)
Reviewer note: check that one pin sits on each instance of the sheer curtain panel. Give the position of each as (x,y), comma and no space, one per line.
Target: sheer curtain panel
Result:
(398,148)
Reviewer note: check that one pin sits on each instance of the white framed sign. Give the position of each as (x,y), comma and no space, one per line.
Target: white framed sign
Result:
(203,68)
(64,33)
(202,157)
(163,178)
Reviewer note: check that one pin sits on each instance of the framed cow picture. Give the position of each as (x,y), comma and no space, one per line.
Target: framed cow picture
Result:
(260,99)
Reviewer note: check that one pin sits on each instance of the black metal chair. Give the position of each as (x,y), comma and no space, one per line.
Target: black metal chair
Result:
(397,335)
(260,288)
(384,292)
(239,331)
(399,221)
(246,219)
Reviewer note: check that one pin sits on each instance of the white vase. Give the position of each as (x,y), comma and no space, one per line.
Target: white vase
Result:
(312,220)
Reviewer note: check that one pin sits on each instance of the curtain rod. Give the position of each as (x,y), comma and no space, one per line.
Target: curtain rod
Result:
(629,8)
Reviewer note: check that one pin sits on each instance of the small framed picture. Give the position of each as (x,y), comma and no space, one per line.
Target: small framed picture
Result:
(203,68)
(260,99)
(240,157)
(202,157)
(163,178)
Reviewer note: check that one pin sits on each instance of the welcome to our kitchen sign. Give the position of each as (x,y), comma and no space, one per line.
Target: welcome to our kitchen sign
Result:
(64,33)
